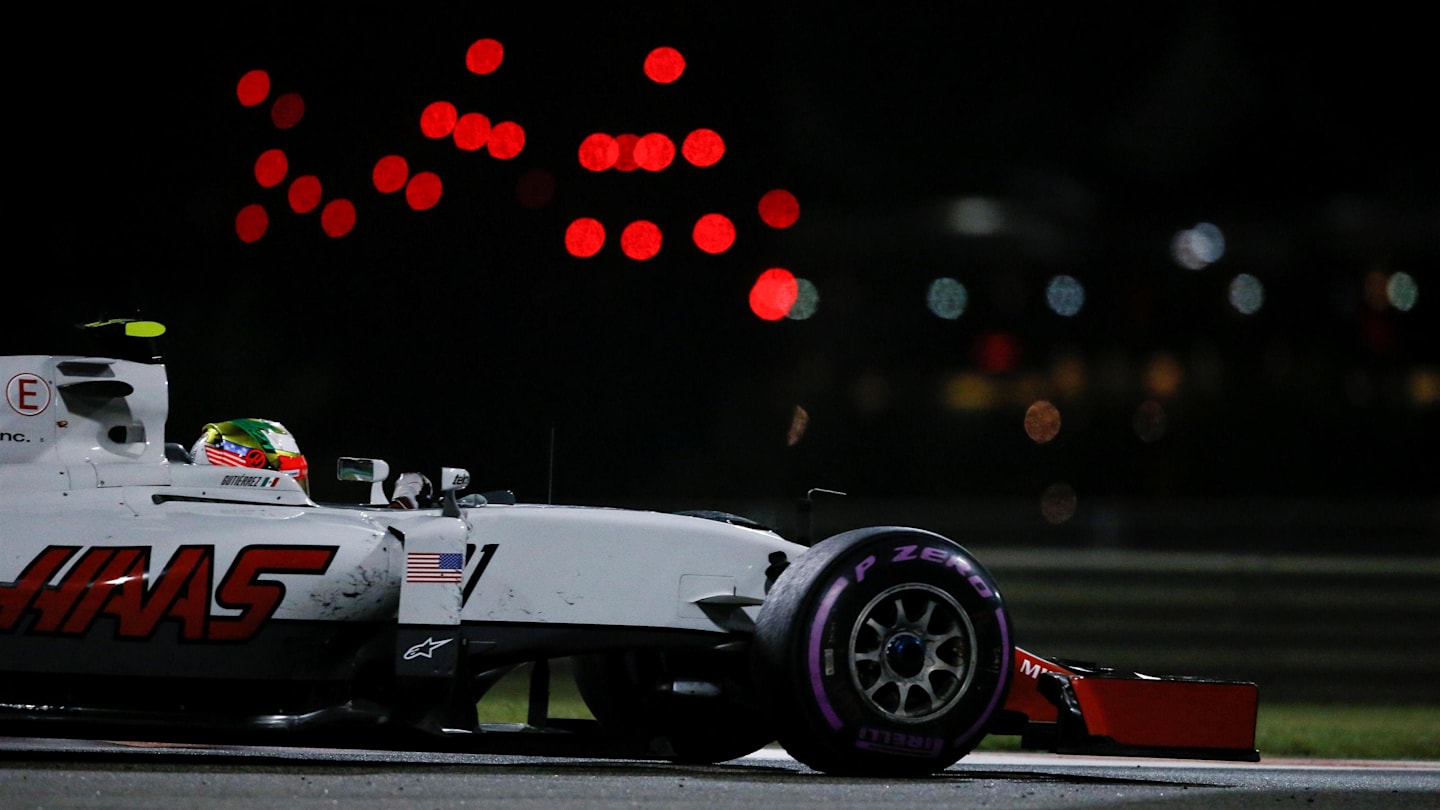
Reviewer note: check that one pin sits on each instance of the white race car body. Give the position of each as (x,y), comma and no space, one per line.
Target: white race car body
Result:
(144,592)
(107,540)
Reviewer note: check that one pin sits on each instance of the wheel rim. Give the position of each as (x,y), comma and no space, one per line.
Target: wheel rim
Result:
(911,653)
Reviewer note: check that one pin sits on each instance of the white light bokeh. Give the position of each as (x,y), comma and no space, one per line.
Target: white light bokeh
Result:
(807,300)
(1402,291)
(947,298)
(976,216)
(1246,294)
(1065,295)
(1198,247)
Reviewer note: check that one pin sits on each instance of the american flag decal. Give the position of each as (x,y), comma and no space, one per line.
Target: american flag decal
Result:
(229,454)
(433,566)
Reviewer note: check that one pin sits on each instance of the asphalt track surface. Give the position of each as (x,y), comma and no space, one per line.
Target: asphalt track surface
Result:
(98,774)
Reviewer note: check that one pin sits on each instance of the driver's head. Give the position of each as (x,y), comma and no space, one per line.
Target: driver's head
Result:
(256,443)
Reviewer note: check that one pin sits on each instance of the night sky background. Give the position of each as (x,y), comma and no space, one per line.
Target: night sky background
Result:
(466,335)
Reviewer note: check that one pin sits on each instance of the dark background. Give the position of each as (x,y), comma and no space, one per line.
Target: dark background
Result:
(465,335)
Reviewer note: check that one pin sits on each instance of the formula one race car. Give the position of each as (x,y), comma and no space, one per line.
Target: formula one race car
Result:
(146,596)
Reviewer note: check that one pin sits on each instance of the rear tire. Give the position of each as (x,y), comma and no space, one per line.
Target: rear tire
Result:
(883,651)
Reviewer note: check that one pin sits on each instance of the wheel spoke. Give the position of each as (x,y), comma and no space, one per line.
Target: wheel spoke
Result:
(924,621)
(924,686)
(879,684)
(901,619)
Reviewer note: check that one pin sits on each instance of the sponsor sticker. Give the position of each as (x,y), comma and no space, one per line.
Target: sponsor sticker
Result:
(28,394)
(67,589)
(426,648)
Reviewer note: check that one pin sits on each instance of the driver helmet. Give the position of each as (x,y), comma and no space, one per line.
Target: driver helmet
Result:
(256,443)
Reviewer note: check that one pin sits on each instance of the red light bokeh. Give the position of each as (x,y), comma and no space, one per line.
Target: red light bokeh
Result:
(423,191)
(484,56)
(584,237)
(251,223)
(253,88)
(270,168)
(714,233)
(338,218)
(507,139)
(773,293)
(472,130)
(598,152)
(287,111)
(703,147)
(390,174)
(779,208)
(654,152)
(304,194)
(437,120)
(640,240)
(664,65)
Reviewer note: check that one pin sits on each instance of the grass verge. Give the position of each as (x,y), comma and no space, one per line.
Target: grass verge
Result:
(1349,732)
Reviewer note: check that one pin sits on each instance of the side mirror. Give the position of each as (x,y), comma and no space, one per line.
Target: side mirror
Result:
(373,470)
(451,480)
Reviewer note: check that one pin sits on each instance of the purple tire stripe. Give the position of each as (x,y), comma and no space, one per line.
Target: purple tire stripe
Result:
(1004,678)
(816,634)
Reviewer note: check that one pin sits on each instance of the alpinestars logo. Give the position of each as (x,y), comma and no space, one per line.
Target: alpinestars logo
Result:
(426,648)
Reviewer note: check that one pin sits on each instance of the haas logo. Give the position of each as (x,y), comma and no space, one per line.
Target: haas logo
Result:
(113,581)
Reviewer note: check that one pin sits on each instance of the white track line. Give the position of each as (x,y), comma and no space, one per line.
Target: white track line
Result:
(774,753)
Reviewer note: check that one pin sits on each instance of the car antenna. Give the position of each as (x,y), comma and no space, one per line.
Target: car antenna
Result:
(550,473)
(806,507)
